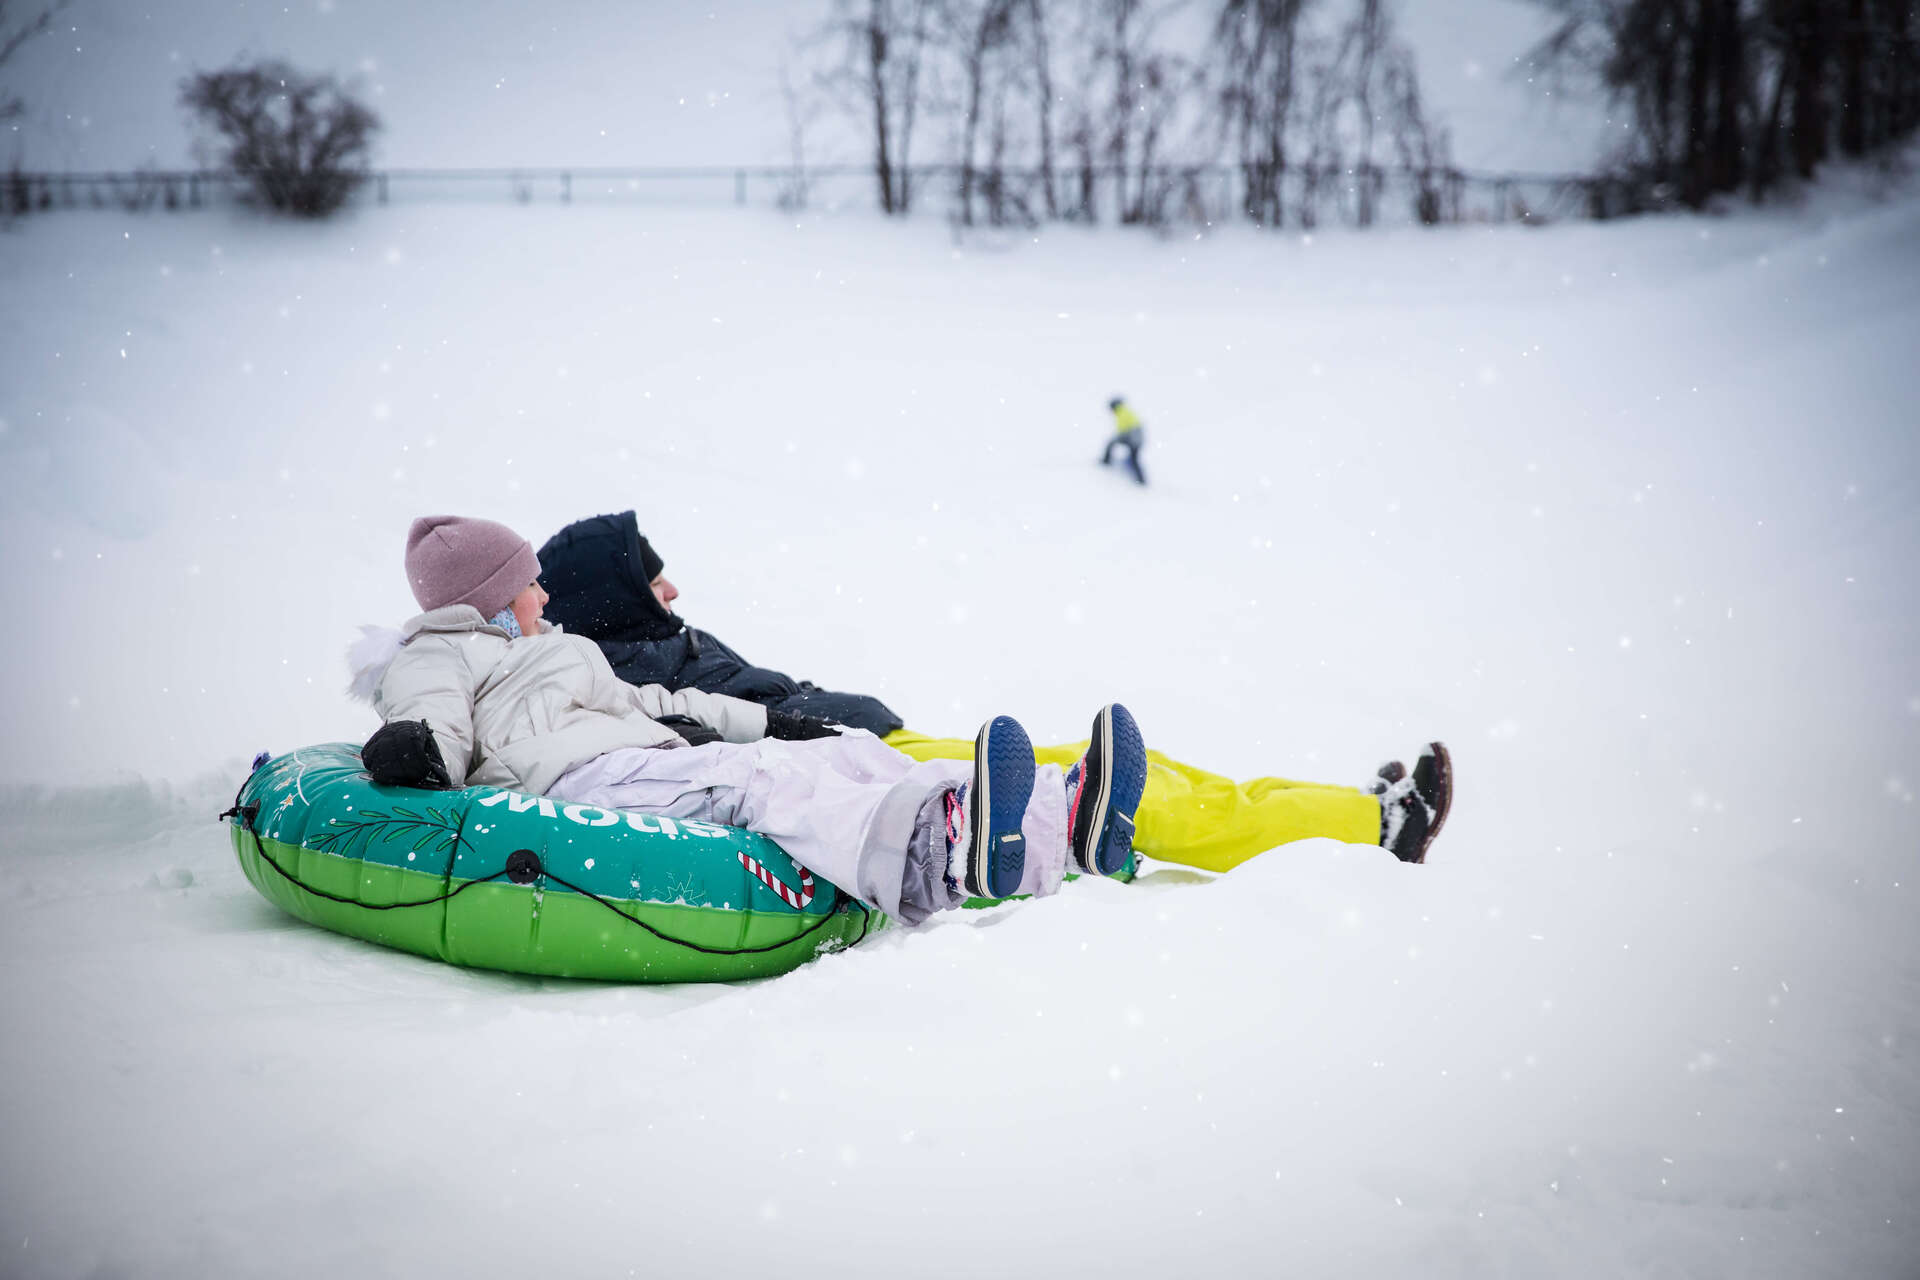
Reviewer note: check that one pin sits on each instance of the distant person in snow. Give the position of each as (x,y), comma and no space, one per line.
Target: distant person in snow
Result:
(481,689)
(607,584)
(1129,434)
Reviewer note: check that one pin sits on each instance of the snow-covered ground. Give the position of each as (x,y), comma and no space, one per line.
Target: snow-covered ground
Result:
(1627,513)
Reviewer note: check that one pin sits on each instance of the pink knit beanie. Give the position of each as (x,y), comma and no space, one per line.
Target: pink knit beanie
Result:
(457,560)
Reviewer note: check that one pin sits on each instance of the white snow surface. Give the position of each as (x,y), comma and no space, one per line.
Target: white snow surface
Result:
(1627,513)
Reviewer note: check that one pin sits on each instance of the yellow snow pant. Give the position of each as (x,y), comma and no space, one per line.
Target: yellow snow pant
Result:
(1202,819)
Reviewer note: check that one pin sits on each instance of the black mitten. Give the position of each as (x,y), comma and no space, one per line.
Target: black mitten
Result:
(790,727)
(696,734)
(403,753)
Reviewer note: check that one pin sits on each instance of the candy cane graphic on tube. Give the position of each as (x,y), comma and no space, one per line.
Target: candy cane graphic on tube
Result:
(798,901)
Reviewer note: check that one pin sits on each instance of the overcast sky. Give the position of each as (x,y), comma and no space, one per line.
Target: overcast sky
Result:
(607,82)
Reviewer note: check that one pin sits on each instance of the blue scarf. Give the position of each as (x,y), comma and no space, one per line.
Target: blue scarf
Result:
(507,622)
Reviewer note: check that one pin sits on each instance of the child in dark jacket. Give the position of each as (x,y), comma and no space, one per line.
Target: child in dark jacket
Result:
(608,582)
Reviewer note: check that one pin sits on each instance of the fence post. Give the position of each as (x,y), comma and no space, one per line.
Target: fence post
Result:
(566,187)
(739,186)
(381,185)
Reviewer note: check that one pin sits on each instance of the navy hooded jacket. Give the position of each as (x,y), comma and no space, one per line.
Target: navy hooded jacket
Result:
(597,574)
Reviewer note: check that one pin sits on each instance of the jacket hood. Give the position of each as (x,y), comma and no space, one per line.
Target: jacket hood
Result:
(597,584)
(451,617)
(369,657)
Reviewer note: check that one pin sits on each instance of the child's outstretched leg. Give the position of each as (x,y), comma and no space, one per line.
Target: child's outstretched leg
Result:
(1103,792)
(850,809)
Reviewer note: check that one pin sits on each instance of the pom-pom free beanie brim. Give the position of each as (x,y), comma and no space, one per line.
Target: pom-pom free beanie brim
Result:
(462,560)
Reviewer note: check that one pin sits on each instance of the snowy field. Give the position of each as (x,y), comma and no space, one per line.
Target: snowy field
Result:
(1627,513)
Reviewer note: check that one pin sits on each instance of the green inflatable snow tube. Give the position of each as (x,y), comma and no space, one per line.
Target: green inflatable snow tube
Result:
(498,880)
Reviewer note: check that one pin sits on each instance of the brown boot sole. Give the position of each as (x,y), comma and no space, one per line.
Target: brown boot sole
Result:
(1443,773)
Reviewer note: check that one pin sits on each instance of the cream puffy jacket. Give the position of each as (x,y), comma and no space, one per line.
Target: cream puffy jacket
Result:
(519,713)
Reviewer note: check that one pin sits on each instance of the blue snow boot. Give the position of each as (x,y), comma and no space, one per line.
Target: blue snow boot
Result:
(986,853)
(1104,789)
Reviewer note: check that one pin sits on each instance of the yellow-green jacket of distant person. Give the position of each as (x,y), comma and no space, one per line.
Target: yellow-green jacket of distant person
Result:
(1202,819)
(1125,420)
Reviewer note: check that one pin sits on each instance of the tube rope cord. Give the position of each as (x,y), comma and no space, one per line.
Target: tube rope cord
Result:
(529,867)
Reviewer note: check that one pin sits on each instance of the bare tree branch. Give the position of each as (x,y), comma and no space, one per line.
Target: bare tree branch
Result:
(11,105)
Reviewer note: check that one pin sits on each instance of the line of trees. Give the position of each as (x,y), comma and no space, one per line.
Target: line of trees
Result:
(1077,109)
(1045,109)
(1726,95)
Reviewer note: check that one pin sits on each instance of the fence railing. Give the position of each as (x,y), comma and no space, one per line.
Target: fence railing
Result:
(1303,195)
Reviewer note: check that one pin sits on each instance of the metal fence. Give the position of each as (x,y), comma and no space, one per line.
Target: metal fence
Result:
(1159,195)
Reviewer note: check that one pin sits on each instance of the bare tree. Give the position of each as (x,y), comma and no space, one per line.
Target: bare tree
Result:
(1082,143)
(1809,26)
(1420,144)
(886,46)
(1149,86)
(11,42)
(1166,83)
(1082,139)
(1040,50)
(1365,79)
(1256,43)
(1897,70)
(1363,43)
(802,109)
(1119,49)
(302,140)
(979,32)
(1322,129)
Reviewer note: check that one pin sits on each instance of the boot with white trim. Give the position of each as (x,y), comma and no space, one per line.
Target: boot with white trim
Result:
(1103,793)
(986,854)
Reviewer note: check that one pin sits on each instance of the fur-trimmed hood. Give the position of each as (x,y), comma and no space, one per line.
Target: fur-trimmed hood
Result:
(368,659)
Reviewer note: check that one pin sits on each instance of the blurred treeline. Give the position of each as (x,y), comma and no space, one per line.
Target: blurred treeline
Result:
(1289,112)
(1083,109)
(1725,95)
